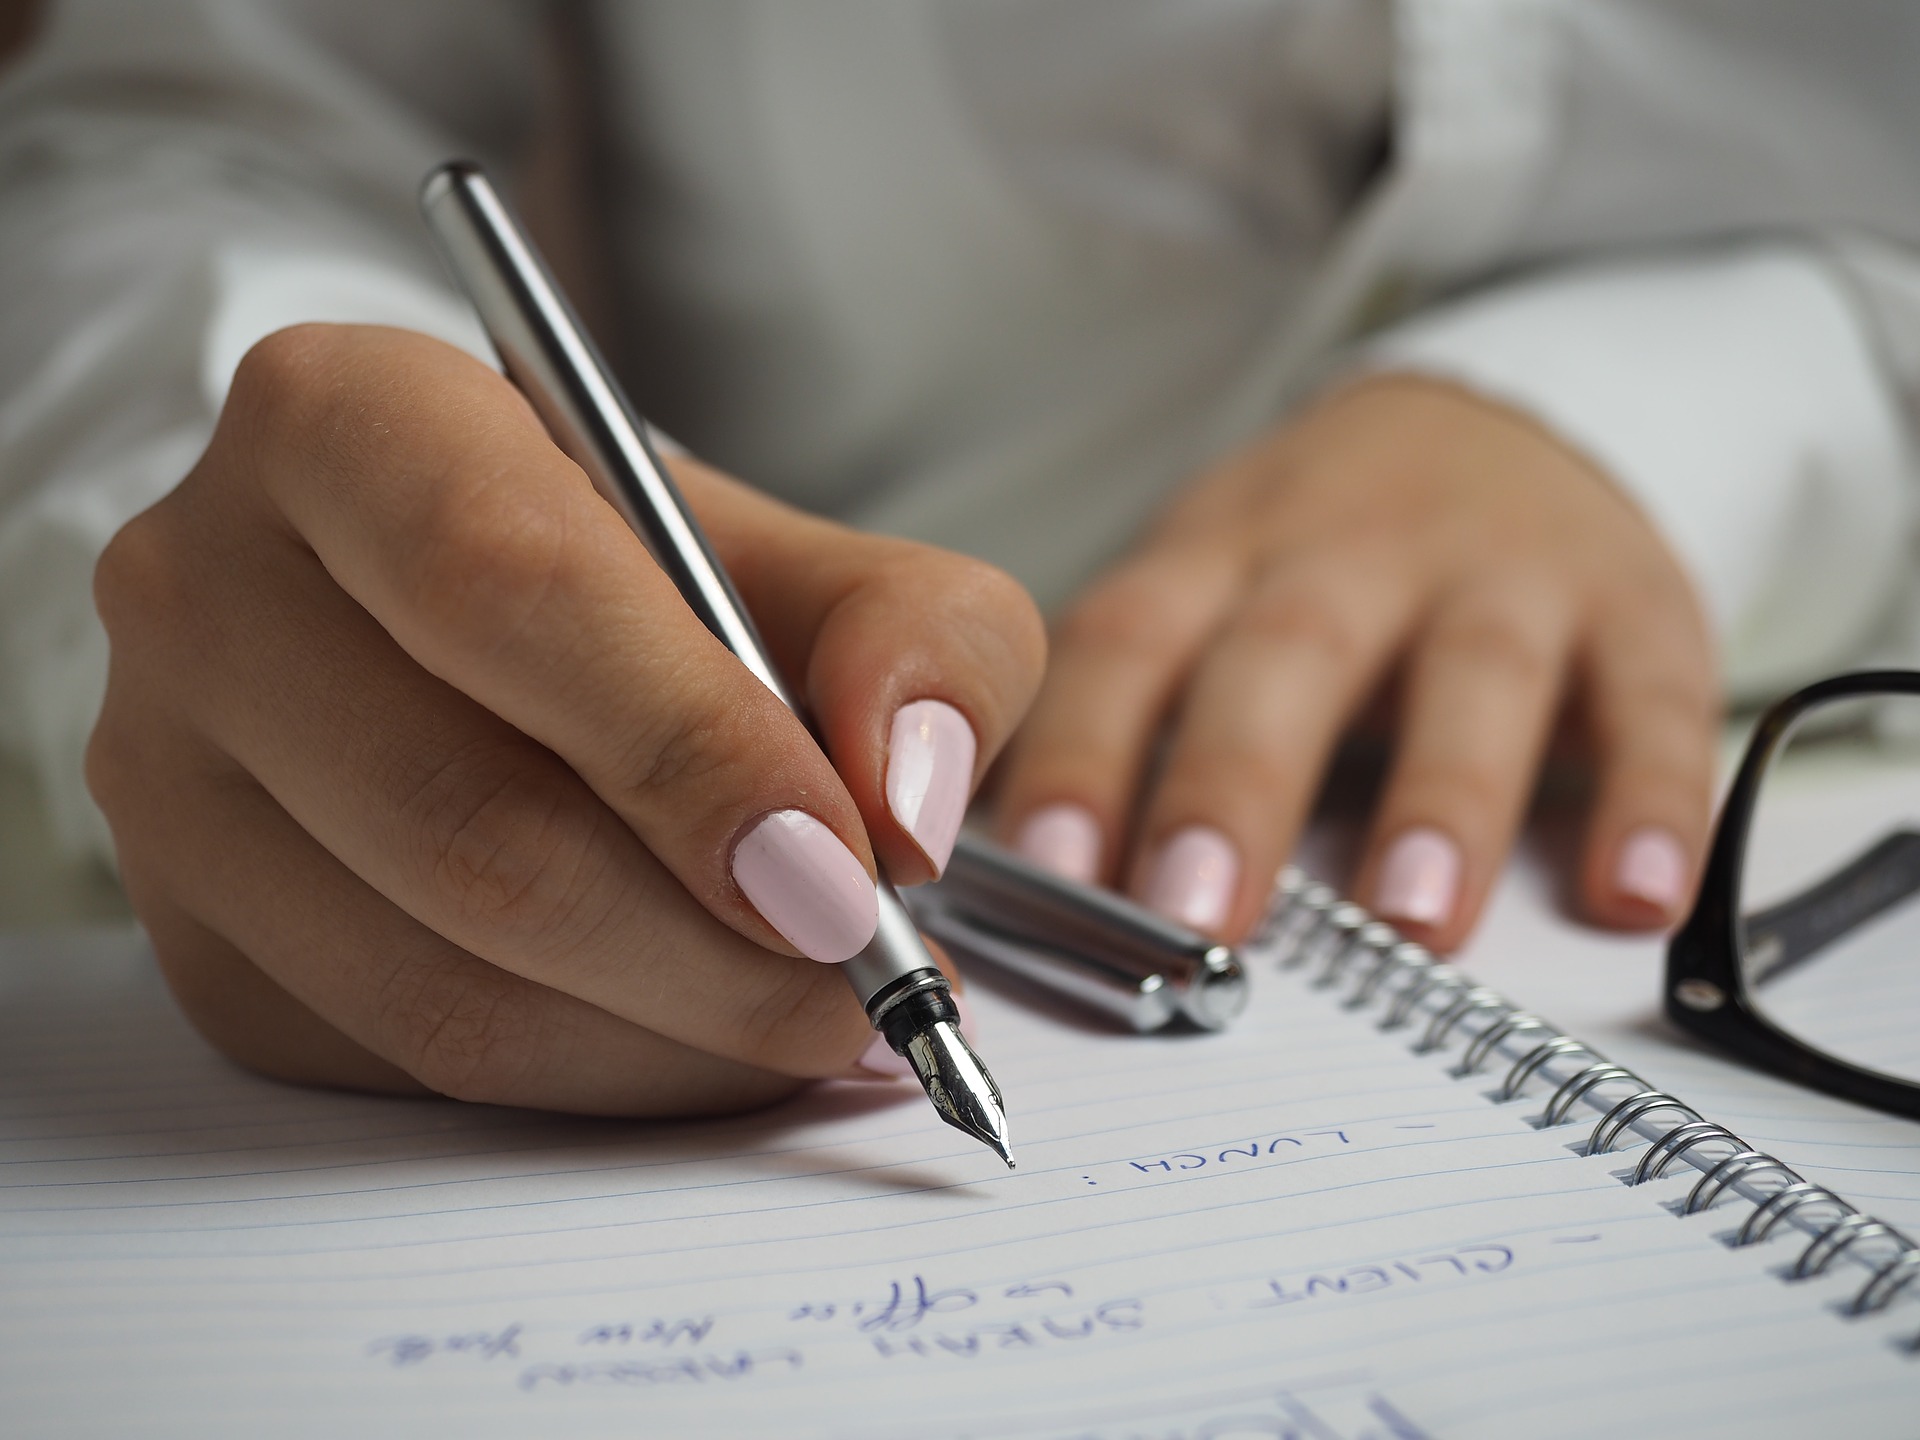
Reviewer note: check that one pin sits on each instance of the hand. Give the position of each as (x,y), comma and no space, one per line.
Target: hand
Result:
(422,775)
(1400,526)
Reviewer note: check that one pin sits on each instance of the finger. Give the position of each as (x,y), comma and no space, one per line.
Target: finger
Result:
(1653,701)
(1483,682)
(250,1019)
(477,833)
(486,555)
(394,989)
(1118,660)
(918,663)
(1259,721)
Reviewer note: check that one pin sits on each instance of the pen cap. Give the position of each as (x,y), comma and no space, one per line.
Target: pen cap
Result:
(1103,934)
(1142,1002)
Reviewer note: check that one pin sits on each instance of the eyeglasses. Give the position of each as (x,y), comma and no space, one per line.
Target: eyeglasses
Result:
(1802,954)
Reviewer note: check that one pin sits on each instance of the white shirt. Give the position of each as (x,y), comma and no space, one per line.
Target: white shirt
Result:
(1002,275)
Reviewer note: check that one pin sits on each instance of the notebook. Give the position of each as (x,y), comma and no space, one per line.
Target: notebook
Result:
(1306,1226)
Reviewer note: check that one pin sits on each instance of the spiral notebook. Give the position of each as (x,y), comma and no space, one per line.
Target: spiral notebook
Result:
(1348,1218)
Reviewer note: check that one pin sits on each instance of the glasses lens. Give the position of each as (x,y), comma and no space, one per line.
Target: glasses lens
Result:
(1830,892)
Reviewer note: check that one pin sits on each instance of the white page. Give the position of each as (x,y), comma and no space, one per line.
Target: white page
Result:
(188,1251)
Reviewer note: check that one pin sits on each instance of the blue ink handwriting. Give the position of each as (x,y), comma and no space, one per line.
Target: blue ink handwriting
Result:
(650,1332)
(403,1350)
(1250,1150)
(974,1341)
(677,1370)
(1364,1279)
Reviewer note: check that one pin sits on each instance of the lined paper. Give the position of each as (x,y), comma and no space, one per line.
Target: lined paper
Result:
(1295,1228)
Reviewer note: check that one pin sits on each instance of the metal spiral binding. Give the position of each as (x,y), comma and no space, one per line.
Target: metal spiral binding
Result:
(1675,1143)
(1310,927)
(1574,1089)
(1524,1067)
(1483,1043)
(1618,1121)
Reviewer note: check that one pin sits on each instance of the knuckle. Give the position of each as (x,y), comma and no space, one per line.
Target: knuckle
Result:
(1496,645)
(483,557)
(287,377)
(1002,608)
(145,770)
(977,584)
(784,1028)
(1124,615)
(139,577)
(986,627)
(1678,703)
(1305,618)
(107,769)
(504,846)
(465,1036)
(682,745)
(1656,602)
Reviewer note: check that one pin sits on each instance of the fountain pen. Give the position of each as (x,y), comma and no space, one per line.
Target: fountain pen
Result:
(546,353)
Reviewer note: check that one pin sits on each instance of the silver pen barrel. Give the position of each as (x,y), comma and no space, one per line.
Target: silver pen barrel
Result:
(548,355)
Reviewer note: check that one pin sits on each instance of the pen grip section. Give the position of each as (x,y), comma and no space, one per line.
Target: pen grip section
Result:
(895,954)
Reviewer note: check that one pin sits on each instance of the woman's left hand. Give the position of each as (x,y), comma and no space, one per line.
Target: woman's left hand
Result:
(1400,525)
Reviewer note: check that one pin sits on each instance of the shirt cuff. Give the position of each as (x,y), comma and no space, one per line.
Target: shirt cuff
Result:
(1736,397)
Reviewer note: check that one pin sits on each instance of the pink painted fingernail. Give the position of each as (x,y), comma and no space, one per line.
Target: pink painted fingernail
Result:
(1194,878)
(930,775)
(1653,868)
(1064,839)
(807,885)
(1420,878)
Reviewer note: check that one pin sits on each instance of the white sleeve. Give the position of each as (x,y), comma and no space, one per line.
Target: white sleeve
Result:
(1737,396)
(149,234)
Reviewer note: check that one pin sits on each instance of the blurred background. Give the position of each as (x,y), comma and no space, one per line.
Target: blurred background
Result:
(37,884)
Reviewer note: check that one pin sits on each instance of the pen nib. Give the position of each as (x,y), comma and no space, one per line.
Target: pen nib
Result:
(959,1085)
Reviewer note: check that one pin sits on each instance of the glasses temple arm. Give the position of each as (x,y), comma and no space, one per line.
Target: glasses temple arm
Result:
(1783,935)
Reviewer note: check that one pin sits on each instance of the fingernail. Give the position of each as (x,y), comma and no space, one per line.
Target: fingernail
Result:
(1653,868)
(807,885)
(1194,878)
(930,775)
(1064,839)
(879,1062)
(1420,878)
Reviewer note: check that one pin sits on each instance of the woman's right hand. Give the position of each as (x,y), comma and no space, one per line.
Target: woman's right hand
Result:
(422,776)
